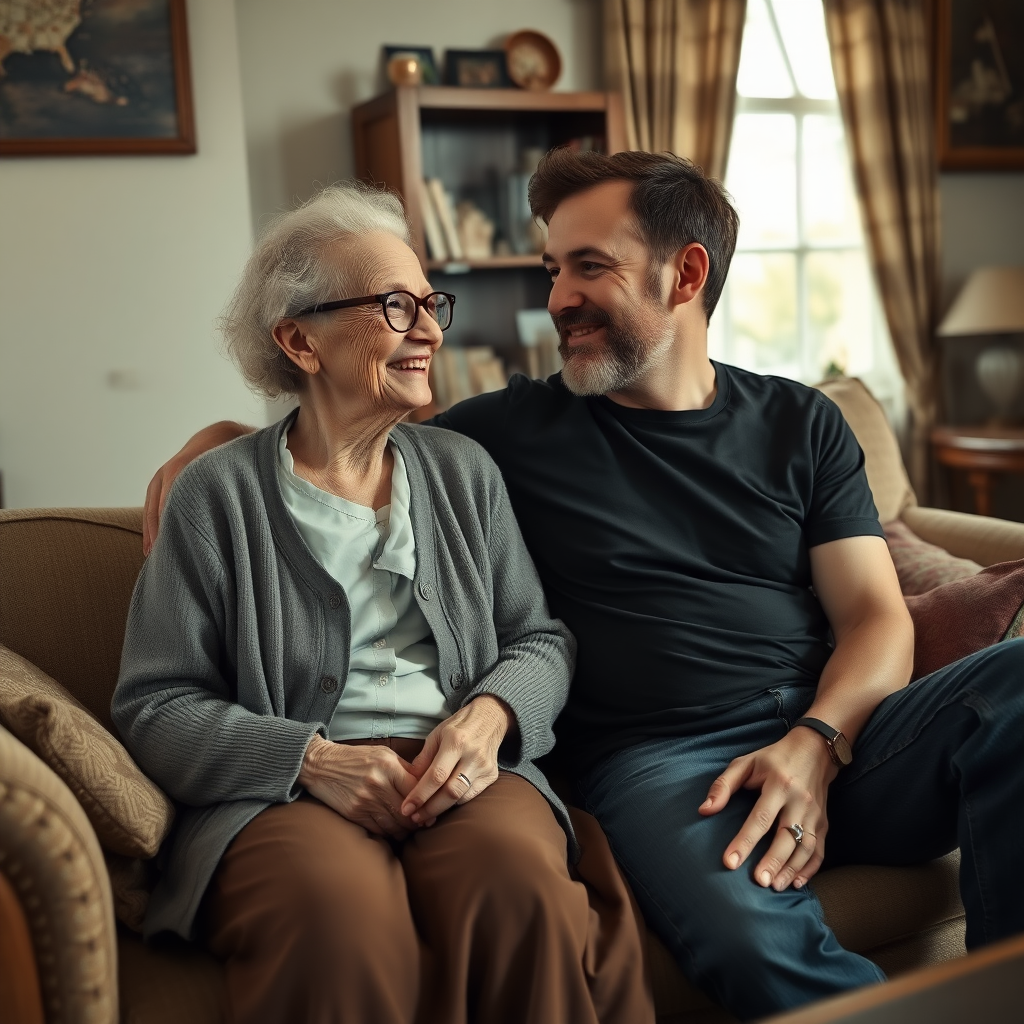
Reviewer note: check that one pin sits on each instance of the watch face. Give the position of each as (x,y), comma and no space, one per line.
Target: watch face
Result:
(842,748)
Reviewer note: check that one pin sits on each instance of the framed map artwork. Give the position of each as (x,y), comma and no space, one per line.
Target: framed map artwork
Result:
(94,76)
(979,63)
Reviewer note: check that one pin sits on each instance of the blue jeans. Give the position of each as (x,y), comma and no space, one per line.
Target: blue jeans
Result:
(937,766)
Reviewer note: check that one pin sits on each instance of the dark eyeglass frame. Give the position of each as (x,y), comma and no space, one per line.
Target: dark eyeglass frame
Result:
(382,298)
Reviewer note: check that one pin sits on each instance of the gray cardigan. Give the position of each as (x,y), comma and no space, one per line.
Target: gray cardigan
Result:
(237,644)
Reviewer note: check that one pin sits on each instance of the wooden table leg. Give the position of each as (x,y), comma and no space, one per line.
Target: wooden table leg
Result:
(981,483)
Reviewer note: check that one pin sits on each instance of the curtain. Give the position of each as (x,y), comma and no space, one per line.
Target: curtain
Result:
(880,55)
(675,63)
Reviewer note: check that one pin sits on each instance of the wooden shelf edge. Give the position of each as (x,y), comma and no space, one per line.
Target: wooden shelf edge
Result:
(493,263)
(453,97)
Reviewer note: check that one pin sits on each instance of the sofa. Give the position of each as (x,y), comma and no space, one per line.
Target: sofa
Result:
(66,577)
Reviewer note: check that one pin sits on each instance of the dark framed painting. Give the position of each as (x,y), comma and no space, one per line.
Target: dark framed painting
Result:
(979,79)
(477,69)
(81,77)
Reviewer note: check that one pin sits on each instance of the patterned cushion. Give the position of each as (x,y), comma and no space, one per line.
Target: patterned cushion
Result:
(966,615)
(921,566)
(131,815)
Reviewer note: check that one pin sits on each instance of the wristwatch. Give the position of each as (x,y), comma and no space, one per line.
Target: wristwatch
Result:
(838,745)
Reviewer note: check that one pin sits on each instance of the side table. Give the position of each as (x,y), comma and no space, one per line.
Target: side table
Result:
(982,452)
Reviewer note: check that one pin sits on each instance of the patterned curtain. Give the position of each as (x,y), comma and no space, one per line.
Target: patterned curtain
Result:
(675,63)
(880,55)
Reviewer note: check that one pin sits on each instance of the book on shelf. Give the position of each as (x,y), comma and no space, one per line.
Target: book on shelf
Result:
(460,372)
(445,211)
(436,247)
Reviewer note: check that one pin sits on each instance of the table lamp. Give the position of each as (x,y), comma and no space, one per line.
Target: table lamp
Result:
(991,306)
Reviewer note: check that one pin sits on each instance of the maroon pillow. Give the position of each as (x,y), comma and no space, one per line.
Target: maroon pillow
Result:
(966,615)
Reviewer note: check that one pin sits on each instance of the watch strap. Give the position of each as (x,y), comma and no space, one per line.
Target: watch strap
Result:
(831,735)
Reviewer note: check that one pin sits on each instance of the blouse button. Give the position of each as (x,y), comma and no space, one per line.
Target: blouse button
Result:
(379,643)
(328,684)
(383,680)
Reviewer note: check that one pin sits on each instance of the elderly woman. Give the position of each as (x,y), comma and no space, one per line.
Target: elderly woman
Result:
(339,662)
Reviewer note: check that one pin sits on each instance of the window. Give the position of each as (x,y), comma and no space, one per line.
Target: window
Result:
(800,300)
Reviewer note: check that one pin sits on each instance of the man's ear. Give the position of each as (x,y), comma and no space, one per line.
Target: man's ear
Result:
(690,267)
(294,343)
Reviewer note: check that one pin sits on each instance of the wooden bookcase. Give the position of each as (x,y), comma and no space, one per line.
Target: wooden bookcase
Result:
(473,140)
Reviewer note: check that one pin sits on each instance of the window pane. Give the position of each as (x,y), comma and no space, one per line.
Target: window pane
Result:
(762,179)
(830,211)
(762,70)
(840,307)
(802,26)
(762,308)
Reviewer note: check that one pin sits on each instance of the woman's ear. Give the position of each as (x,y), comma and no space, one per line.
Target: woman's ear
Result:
(690,267)
(294,343)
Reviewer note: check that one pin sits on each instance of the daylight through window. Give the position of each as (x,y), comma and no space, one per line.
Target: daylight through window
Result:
(800,301)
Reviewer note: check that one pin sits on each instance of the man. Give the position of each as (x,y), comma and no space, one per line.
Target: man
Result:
(709,536)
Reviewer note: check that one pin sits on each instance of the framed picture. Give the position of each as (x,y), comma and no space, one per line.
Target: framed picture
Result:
(477,69)
(424,54)
(979,64)
(84,77)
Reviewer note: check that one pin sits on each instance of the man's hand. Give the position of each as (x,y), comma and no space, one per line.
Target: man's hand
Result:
(160,485)
(793,776)
(462,747)
(365,784)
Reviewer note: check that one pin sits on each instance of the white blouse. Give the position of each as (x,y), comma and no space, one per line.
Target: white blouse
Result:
(392,687)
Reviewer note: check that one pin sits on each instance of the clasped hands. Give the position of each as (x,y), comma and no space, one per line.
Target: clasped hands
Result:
(793,776)
(389,796)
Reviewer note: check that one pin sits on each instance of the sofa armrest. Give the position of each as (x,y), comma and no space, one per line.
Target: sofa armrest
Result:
(52,859)
(981,538)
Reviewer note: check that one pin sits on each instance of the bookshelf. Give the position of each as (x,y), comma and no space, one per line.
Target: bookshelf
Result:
(478,142)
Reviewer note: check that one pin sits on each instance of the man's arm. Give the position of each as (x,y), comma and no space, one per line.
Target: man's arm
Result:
(156,494)
(856,583)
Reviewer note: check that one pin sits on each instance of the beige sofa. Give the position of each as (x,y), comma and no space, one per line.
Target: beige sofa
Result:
(66,577)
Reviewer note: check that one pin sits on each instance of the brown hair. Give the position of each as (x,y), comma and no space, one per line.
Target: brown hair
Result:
(673,201)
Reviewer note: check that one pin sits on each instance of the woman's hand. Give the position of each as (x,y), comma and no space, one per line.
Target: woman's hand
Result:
(365,784)
(462,747)
(793,776)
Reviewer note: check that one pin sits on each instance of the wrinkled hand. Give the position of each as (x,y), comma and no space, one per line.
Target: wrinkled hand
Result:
(365,784)
(466,744)
(160,485)
(793,776)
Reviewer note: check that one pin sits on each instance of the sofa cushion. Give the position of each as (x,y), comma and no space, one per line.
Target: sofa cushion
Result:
(966,615)
(67,579)
(921,566)
(887,478)
(130,814)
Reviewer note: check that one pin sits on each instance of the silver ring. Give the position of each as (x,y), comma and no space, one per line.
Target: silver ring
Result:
(798,832)
(469,784)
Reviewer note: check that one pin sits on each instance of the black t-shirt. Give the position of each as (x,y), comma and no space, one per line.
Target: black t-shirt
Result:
(675,544)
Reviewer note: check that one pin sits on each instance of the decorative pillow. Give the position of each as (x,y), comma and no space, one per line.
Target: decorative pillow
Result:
(130,814)
(966,615)
(921,566)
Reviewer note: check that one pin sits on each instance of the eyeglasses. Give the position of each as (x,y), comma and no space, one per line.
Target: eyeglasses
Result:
(401,309)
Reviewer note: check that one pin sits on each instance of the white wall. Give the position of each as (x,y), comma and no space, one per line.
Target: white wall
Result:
(982,224)
(118,266)
(305,63)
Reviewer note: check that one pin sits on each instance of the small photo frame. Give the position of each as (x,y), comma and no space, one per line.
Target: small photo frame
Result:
(477,69)
(424,54)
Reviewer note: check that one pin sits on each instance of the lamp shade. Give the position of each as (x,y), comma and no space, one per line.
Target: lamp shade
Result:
(991,302)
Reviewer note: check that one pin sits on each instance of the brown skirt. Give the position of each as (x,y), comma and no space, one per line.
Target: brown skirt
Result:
(475,919)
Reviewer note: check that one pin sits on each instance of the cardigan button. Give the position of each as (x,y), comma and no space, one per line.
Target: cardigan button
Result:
(335,601)
(426,591)
(457,681)
(328,684)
